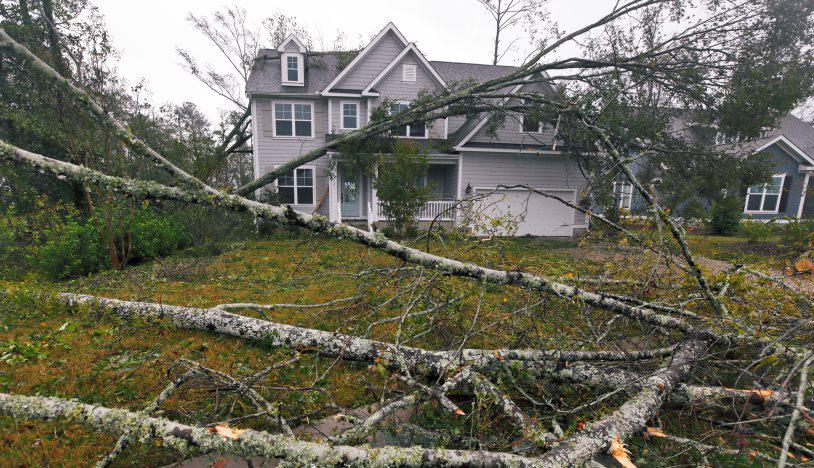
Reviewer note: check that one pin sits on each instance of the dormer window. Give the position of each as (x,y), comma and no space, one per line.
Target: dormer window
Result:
(292,61)
(293,69)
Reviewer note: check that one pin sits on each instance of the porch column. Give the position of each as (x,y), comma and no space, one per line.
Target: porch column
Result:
(373,211)
(333,197)
(458,215)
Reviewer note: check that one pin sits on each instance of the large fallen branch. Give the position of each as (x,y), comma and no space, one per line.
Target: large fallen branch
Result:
(632,416)
(542,363)
(244,443)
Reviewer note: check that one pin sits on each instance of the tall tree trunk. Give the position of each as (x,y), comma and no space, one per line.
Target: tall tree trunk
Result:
(498,18)
(53,39)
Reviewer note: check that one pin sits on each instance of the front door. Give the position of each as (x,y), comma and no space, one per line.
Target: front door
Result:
(350,194)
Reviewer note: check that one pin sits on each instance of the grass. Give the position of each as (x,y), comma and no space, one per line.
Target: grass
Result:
(737,249)
(51,350)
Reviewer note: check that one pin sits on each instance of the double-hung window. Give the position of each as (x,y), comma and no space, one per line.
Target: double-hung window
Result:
(413,130)
(350,115)
(292,68)
(293,120)
(296,187)
(765,198)
(623,193)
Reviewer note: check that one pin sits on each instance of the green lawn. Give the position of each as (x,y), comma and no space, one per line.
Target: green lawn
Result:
(737,249)
(52,350)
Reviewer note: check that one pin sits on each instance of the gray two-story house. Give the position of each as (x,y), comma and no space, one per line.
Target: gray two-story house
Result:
(300,98)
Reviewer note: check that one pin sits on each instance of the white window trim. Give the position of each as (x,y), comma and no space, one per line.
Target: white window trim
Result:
(313,187)
(300,71)
(763,197)
(293,121)
(521,130)
(426,129)
(622,194)
(412,68)
(342,115)
(539,127)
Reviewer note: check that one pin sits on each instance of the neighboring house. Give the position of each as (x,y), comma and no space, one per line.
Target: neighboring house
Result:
(789,147)
(301,98)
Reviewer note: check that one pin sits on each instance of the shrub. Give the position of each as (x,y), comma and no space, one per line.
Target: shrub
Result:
(72,250)
(400,185)
(155,236)
(77,249)
(725,215)
(798,234)
(757,231)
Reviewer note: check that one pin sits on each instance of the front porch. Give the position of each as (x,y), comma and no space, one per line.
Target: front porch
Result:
(353,198)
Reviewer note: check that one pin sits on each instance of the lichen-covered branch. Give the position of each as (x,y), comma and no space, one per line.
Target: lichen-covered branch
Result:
(541,363)
(632,416)
(12,47)
(247,443)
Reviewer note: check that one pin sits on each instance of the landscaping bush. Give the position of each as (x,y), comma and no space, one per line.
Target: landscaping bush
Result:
(156,236)
(757,231)
(798,234)
(725,215)
(74,249)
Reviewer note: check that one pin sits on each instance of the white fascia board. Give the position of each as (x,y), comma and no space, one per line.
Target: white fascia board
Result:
(290,38)
(791,145)
(473,149)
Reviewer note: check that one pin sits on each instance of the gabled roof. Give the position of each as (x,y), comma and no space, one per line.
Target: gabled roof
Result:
(790,148)
(390,27)
(291,38)
(484,119)
(368,91)
(793,135)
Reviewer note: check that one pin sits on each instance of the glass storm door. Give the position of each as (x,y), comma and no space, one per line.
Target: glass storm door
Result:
(350,193)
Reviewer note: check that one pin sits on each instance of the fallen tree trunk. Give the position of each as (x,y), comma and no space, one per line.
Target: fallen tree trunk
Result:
(244,443)
(546,363)
(632,416)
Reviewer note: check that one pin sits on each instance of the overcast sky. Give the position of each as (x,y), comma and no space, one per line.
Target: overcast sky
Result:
(147,33)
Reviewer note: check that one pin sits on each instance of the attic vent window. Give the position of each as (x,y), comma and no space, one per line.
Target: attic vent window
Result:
(408,73)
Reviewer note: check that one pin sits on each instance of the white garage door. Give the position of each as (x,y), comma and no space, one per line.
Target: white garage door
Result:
(520,213)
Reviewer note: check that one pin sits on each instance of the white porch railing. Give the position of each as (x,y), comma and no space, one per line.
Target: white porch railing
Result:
(442,210)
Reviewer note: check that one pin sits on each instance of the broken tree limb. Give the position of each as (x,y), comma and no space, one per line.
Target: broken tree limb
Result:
(247,443)
(788,438)
(632,416)
(9,45)
(351,347)
(150,409)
